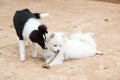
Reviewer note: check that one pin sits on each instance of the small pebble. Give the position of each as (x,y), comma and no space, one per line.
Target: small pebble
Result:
(11,25)
(1,29)
(106,20)
(105,68)
(14,52)
(71,67)
(118,50)
(5,36)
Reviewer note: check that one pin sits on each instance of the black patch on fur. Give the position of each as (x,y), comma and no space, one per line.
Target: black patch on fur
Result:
(19,20)
(43,30)
(37,15)
(37,37)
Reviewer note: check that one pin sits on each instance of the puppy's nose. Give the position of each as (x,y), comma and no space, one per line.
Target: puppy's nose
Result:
(58,51)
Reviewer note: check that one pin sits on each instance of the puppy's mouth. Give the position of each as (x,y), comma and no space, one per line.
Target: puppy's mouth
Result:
(57,51)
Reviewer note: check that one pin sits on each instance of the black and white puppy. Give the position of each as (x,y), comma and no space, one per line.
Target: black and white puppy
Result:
(28,28)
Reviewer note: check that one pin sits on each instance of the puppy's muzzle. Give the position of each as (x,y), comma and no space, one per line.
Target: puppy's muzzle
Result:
(57,51)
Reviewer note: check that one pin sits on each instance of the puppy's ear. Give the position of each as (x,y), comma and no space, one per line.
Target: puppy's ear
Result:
(42,29)
(50,35)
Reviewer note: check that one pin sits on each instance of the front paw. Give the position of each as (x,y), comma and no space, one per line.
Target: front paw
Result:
(22,59)
(34,55)
(46,66)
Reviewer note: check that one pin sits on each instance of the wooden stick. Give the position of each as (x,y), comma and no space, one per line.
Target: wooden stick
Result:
(53,58)
(47,65)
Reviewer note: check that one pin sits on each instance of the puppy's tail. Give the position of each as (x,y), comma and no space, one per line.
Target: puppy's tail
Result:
(41,15)
(88,37)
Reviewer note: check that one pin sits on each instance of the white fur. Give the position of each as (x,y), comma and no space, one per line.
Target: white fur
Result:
(30,25)
(44,15)
(34,48)
(22,50)
(86,37)
(78,46)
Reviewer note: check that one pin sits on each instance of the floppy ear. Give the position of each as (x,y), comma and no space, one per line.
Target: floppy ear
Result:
(50,36)
(42,29)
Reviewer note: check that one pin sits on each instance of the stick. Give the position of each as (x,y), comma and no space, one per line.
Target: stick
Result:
(53,58)
(47,65)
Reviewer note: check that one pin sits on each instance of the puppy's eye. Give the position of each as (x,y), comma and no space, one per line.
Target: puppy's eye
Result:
(55,45)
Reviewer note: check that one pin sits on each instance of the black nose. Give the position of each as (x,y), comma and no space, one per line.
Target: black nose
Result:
(58,51)
(44,47)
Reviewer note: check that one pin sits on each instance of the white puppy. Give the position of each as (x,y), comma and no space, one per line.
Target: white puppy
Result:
(78,46)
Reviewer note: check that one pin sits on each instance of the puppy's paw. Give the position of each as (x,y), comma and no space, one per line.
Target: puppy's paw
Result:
(46,66)
(34,55)
(22,58)
(99,53)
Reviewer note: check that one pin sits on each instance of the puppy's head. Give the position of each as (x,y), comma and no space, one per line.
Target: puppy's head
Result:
(39,36)
(43,30)
(55,41)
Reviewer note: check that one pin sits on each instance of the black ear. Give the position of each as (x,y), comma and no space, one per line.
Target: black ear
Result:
(42,29)
(34,36)
(37,15)
(26,10)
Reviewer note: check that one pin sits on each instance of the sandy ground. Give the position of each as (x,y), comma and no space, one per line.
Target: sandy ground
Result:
(100,17)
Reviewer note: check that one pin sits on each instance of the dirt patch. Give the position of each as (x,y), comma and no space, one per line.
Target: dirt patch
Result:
(102,18)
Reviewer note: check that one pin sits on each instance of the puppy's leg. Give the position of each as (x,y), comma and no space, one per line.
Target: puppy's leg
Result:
(55,62)
(27,43)
(34,47)
(22,50)
(47,60)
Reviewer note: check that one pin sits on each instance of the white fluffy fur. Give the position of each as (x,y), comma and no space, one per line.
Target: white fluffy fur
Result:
(78,46)
(44,15)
